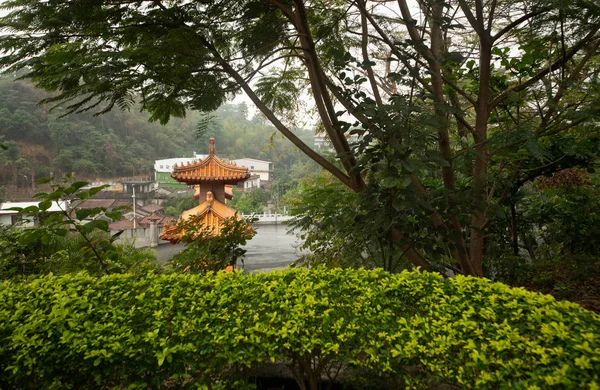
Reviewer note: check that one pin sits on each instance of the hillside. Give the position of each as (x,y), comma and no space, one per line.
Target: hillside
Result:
(42,142)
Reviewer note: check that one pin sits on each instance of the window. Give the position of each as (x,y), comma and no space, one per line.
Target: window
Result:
(161,167)
(251,166)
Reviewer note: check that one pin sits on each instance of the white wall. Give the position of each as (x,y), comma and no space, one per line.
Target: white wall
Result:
(6,219)
(256,167)
(166,165)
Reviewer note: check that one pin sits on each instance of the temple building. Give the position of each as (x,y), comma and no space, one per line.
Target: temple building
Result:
(213,180)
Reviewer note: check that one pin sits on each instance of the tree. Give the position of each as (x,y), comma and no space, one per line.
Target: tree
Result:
(458,106)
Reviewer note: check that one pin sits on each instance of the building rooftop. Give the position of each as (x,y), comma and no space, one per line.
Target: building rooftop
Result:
(55,207)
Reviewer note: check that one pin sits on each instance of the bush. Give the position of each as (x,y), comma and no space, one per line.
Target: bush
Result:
(408,329)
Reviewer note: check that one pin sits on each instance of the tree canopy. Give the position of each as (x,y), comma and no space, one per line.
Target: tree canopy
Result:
(456,103)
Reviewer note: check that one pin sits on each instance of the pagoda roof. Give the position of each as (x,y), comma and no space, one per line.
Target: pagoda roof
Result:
(210,169)
(212,214)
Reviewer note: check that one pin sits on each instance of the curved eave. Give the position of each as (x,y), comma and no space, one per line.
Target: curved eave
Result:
(211,169)
(192,180)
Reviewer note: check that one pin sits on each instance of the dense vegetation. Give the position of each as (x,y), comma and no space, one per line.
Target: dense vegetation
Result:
(375,329)
(117,144)
(546,240)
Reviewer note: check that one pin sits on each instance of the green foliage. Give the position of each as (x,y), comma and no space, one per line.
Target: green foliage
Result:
(66,241)
(176,205)
(251,202)
(558,247)
(209,252)
(341,228)
(116,144)
(412,330)
(456,109)
(569,215)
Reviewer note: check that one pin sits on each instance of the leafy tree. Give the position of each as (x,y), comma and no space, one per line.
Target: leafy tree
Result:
(206,251)
(457,106)
(558,249)
(176,205)
(339,228)
(62,243)
(251,202)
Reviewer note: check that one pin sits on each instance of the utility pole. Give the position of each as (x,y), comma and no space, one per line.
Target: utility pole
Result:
(134,222)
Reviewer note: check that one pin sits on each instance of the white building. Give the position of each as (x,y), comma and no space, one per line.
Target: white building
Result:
(10,217)
(250,184)
(264,169)
(166,165)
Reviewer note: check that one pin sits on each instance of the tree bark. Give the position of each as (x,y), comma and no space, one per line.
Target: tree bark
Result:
(482,157)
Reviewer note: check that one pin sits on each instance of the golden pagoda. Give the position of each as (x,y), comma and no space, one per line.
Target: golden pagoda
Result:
(213,180)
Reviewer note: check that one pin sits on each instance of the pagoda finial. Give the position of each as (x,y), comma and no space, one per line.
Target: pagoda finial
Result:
(211,148)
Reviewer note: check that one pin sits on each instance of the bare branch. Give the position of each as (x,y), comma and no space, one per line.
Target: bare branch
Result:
(477,26)
(335,171)
(365,54)
(574,73)
(492,14)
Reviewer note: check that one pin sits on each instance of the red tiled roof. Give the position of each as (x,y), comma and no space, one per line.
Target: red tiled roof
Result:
(122,202)
(168,219)
(151,207)
(92,203)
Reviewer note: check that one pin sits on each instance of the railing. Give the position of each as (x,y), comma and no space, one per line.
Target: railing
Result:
(269,218)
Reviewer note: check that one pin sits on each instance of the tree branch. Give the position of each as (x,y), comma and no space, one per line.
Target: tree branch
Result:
(556,65)
(515,23)
(470,17)
(322,161)
(365,54)
(561,89)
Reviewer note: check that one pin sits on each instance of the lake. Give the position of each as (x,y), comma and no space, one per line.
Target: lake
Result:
(272,247)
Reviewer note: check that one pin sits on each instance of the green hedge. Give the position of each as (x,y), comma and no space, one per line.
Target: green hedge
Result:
(411,328)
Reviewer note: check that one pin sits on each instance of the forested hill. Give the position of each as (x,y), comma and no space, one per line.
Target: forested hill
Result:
(117,144)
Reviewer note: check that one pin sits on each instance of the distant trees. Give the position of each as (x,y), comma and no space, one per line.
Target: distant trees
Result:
(116,144)
(121,143)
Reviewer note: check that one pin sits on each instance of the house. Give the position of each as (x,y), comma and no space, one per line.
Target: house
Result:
(264,169)
(11,217)
(144,190)
(250,184)
(152,208)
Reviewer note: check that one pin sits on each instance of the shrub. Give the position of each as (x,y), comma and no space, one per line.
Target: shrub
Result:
(408,329)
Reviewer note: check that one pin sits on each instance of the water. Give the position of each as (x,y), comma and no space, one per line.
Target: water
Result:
(269,249)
